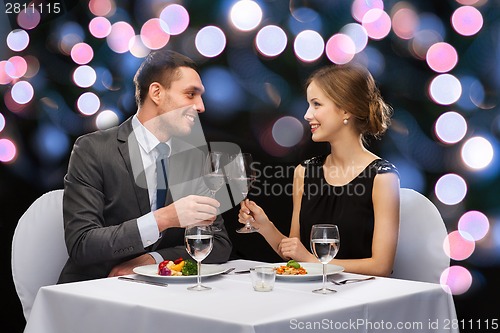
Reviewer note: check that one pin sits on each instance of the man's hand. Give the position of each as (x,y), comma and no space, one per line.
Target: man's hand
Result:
(193,209)
(127,267)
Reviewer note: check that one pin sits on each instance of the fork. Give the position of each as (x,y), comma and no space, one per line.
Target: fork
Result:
(229,270)
(340,283)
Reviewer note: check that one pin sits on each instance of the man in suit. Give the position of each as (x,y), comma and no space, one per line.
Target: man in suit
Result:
(113,218)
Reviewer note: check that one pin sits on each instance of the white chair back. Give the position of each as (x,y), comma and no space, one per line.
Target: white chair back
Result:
(420,253)
(38,248)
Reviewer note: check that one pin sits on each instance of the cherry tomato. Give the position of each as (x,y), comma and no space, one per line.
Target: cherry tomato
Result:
(163,264)
(178,260)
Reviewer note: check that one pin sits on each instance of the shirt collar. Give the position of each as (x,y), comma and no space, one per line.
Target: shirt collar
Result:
(147,140)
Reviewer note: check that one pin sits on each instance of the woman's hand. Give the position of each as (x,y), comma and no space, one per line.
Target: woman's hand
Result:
(251,212)
(292,248)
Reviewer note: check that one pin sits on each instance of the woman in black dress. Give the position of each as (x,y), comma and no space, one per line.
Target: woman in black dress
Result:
(350,187)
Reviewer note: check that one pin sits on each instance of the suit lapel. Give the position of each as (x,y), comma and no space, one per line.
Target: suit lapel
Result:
(129,150)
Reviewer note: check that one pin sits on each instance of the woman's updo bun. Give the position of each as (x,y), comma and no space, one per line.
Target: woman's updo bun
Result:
(353,89)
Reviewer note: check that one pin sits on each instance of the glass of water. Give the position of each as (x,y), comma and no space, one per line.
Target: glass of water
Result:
(199,243)
(325,242)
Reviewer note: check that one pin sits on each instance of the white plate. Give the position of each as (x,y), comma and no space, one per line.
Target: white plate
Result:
(152,271)
(314,271)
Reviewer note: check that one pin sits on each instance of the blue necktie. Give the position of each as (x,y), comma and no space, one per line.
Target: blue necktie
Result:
(161,174)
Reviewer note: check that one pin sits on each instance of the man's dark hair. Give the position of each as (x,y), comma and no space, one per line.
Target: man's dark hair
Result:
(159,66)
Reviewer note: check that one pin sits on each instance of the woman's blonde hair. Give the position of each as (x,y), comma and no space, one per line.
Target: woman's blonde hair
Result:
(353,89)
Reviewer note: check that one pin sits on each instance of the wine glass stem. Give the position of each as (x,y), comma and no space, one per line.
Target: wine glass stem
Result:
(198,278)
(247,225)
(324,276)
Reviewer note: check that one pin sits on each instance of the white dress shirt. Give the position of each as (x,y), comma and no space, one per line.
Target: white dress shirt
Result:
(148,228)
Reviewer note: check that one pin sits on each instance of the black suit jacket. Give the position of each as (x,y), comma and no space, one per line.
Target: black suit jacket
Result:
(104,194)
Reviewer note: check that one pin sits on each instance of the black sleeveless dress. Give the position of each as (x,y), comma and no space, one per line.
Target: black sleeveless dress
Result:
(350,206)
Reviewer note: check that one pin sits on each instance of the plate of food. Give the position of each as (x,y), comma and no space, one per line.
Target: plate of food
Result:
(295,271)
(178,269)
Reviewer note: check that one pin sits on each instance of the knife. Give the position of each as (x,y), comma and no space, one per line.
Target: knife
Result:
(242,272)
(127,278)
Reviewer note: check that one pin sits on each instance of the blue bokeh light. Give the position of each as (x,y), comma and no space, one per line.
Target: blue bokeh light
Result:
(372,59)
(287,131)
(304,18)
(429,21)
(51,143)
(223,95)
(409,174)
(472,92)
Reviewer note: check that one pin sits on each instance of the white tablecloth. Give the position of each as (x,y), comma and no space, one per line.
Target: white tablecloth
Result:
(232,306)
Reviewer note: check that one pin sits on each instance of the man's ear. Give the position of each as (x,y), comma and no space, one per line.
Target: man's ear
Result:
(155,92)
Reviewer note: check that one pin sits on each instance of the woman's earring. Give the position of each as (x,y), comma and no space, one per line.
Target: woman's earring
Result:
(346,121)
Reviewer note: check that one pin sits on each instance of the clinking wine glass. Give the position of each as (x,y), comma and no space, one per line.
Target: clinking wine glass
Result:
(199,243)
(213,173)
(325,243)
(242,175)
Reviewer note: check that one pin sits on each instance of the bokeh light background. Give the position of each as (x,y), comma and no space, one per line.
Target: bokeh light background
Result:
(436,62)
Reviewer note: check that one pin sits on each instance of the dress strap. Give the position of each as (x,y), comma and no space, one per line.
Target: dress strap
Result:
(383,166)
(314,161)
(313,167)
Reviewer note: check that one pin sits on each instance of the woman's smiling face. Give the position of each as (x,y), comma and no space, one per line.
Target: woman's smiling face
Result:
(324,117)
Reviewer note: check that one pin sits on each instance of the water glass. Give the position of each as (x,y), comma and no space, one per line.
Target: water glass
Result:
(263,278)
(325,242)
(199,243)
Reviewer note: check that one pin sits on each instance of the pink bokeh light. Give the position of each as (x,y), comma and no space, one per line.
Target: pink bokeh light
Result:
(101,7)
(100,27)
(474,224)
(6,67)
(20,66)
(377,23)
(11,104)
(82,53)
(442,57)
(154,34)
(467,20)
(456,280)
(340,49)
(120,36)
(28,19)
(404,23)
(268,143)
(458,247)
(8,151)
(467,2)
(361,7)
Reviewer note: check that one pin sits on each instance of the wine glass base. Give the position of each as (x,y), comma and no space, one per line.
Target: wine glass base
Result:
(199,287)
(324,291)
(247,230)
